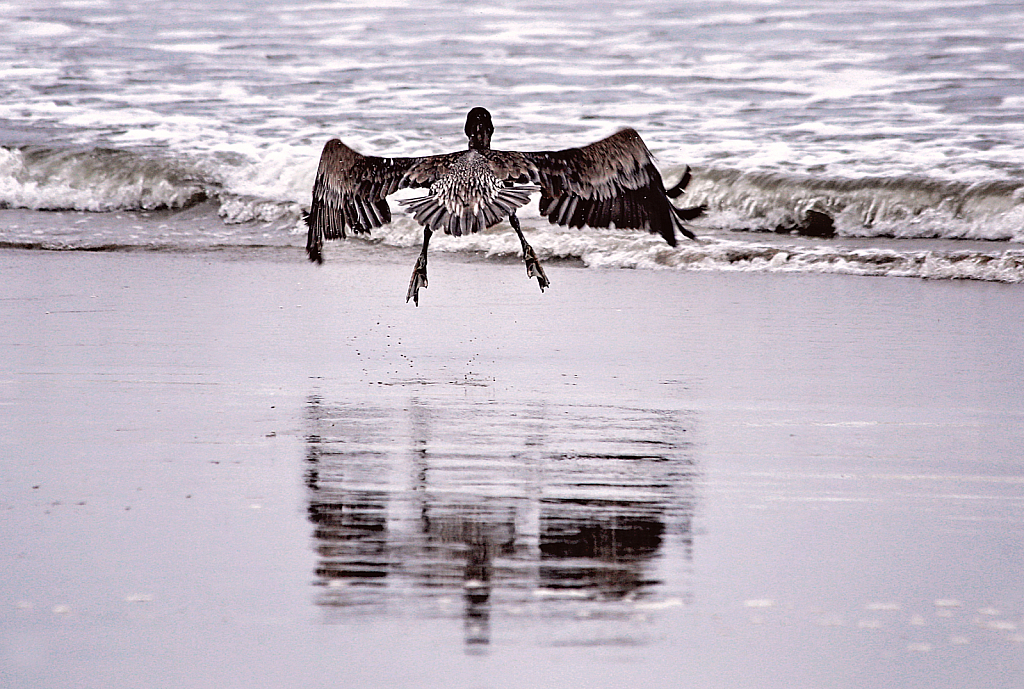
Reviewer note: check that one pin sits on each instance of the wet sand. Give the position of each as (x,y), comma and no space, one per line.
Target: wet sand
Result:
(237,469)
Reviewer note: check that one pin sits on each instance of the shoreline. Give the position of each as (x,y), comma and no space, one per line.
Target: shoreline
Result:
(201,229)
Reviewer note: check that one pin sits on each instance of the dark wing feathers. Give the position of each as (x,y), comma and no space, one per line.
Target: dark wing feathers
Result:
(680,186)
(610,182)
(351,190)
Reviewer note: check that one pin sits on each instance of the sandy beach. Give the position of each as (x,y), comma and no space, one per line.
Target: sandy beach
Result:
(236,469)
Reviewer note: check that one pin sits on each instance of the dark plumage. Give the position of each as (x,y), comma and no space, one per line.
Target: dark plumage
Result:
(609,182)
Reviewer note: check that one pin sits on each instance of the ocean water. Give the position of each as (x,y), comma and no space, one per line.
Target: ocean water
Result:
(157,126)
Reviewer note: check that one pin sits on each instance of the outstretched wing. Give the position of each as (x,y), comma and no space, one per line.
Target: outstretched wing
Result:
(612,181)
(350,191)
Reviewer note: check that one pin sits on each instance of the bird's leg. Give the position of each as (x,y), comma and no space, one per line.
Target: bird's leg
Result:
(533,269)
(419,273)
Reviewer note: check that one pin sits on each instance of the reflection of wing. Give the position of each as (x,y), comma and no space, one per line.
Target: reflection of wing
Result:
(612,181)
(351,189)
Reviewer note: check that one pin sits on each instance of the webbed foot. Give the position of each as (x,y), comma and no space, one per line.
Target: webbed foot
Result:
(533,269)
(419,279)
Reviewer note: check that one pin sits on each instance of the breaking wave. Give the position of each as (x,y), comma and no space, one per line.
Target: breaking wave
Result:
(96,179)
(247,201)
(897,207)
(105,180)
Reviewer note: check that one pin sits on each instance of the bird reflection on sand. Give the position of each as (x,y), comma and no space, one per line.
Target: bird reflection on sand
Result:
(436,506)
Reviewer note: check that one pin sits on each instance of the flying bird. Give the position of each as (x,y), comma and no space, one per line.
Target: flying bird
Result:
(611,181)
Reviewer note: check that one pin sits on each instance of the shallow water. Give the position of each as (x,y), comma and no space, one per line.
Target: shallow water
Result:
(225,470)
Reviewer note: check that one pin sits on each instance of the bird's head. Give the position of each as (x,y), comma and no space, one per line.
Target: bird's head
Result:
(479,129)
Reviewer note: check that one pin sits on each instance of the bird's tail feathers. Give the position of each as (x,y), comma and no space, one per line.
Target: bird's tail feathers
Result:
(432,212)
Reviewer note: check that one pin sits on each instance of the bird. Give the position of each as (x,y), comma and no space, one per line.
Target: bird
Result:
(611,181)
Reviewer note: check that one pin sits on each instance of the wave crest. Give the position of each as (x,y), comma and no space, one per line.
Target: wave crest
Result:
(898,207)
(96,179)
